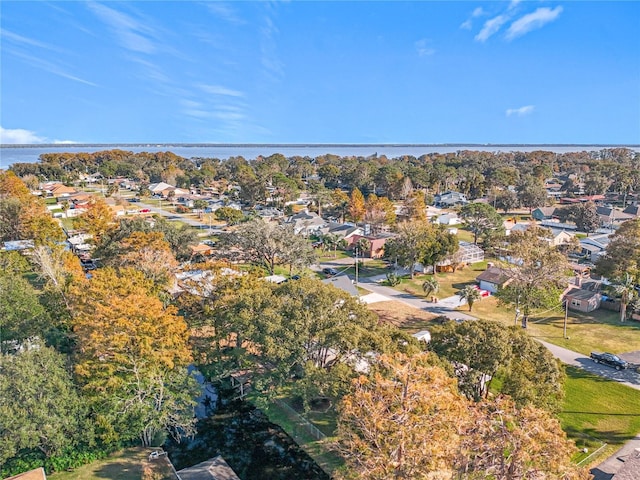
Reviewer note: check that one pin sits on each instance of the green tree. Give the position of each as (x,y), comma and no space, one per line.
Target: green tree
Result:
(625,288)
(21,314)
(537,272)
(430,286)
(470,294)
(585,217)
(200,205)
(532,375)
(268,244)
(481,218)
(531,192)
(623,252)
(480,349)
(39,405)
(410,245)
(506,200)
(230,215)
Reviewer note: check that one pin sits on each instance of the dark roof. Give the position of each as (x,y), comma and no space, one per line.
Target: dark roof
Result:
(632,210)
(213,469)
(630,470)
(493,275)
(581,294)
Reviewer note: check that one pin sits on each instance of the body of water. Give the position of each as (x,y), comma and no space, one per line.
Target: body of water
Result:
(30,153)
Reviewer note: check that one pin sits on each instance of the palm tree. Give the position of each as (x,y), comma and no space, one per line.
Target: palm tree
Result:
(470,293)
(430,285)
(626,290)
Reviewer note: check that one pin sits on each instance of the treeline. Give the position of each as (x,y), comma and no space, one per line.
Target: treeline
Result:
(474,173)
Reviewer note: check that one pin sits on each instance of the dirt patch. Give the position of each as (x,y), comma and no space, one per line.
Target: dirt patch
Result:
(401,315)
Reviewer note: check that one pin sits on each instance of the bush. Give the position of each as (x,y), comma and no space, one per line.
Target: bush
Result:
(393,279)
(182,209)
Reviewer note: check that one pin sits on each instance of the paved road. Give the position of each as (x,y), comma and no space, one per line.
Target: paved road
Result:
(628,377)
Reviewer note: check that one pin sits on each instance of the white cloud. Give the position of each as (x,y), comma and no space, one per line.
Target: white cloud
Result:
(131,33)
(424,48)
(64,142)
(532,21)
(520,112)
(491,27)
(19,136)
(219,90)
(466,25)
(478,12)
(225,12)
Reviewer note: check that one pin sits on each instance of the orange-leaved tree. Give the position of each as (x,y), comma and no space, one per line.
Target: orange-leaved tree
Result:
(405,420)
(131,357)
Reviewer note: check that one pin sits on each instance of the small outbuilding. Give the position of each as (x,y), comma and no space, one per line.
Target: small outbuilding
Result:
(493,279)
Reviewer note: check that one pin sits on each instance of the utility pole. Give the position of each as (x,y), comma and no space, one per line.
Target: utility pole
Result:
(356,256)
(566,315)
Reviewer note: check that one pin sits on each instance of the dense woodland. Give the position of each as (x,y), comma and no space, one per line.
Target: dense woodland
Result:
(93,362)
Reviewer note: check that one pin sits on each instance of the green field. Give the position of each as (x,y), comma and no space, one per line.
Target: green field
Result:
(128,464)
(598,411)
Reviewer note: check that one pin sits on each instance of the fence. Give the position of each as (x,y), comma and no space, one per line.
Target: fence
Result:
(596,452)
(300,421)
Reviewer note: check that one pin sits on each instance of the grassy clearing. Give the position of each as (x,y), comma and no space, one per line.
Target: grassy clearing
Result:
(405,317)
(598,411)
(450,283)
(599,330)
(128,464)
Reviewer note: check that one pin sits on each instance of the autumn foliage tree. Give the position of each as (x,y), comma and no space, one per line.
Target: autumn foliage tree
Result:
(405,420)
(357,205)
(24,216)
(131,357)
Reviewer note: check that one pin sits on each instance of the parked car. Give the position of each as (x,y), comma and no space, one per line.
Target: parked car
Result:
(330,272)
(609,359)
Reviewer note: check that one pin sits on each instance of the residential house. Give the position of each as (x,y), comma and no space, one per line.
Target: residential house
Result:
(582,300)
(57,190)
(306,223)
(561,238)
(632,210)
(346,231)
(213,469)
(450,199)
(449,219)
(163,189)
(201,249)
(611,217)
(594,246)
(543,213)
(376,244)
(493,279)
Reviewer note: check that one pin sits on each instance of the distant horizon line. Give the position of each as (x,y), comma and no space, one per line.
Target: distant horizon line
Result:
(178,144)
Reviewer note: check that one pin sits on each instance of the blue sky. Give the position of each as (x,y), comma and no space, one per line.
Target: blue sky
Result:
(320,72)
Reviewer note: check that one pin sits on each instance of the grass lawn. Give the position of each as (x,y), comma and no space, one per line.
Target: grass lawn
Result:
(369,268)
(328,256)
(600,330)
(598,411)
(125,465)
(450,283)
